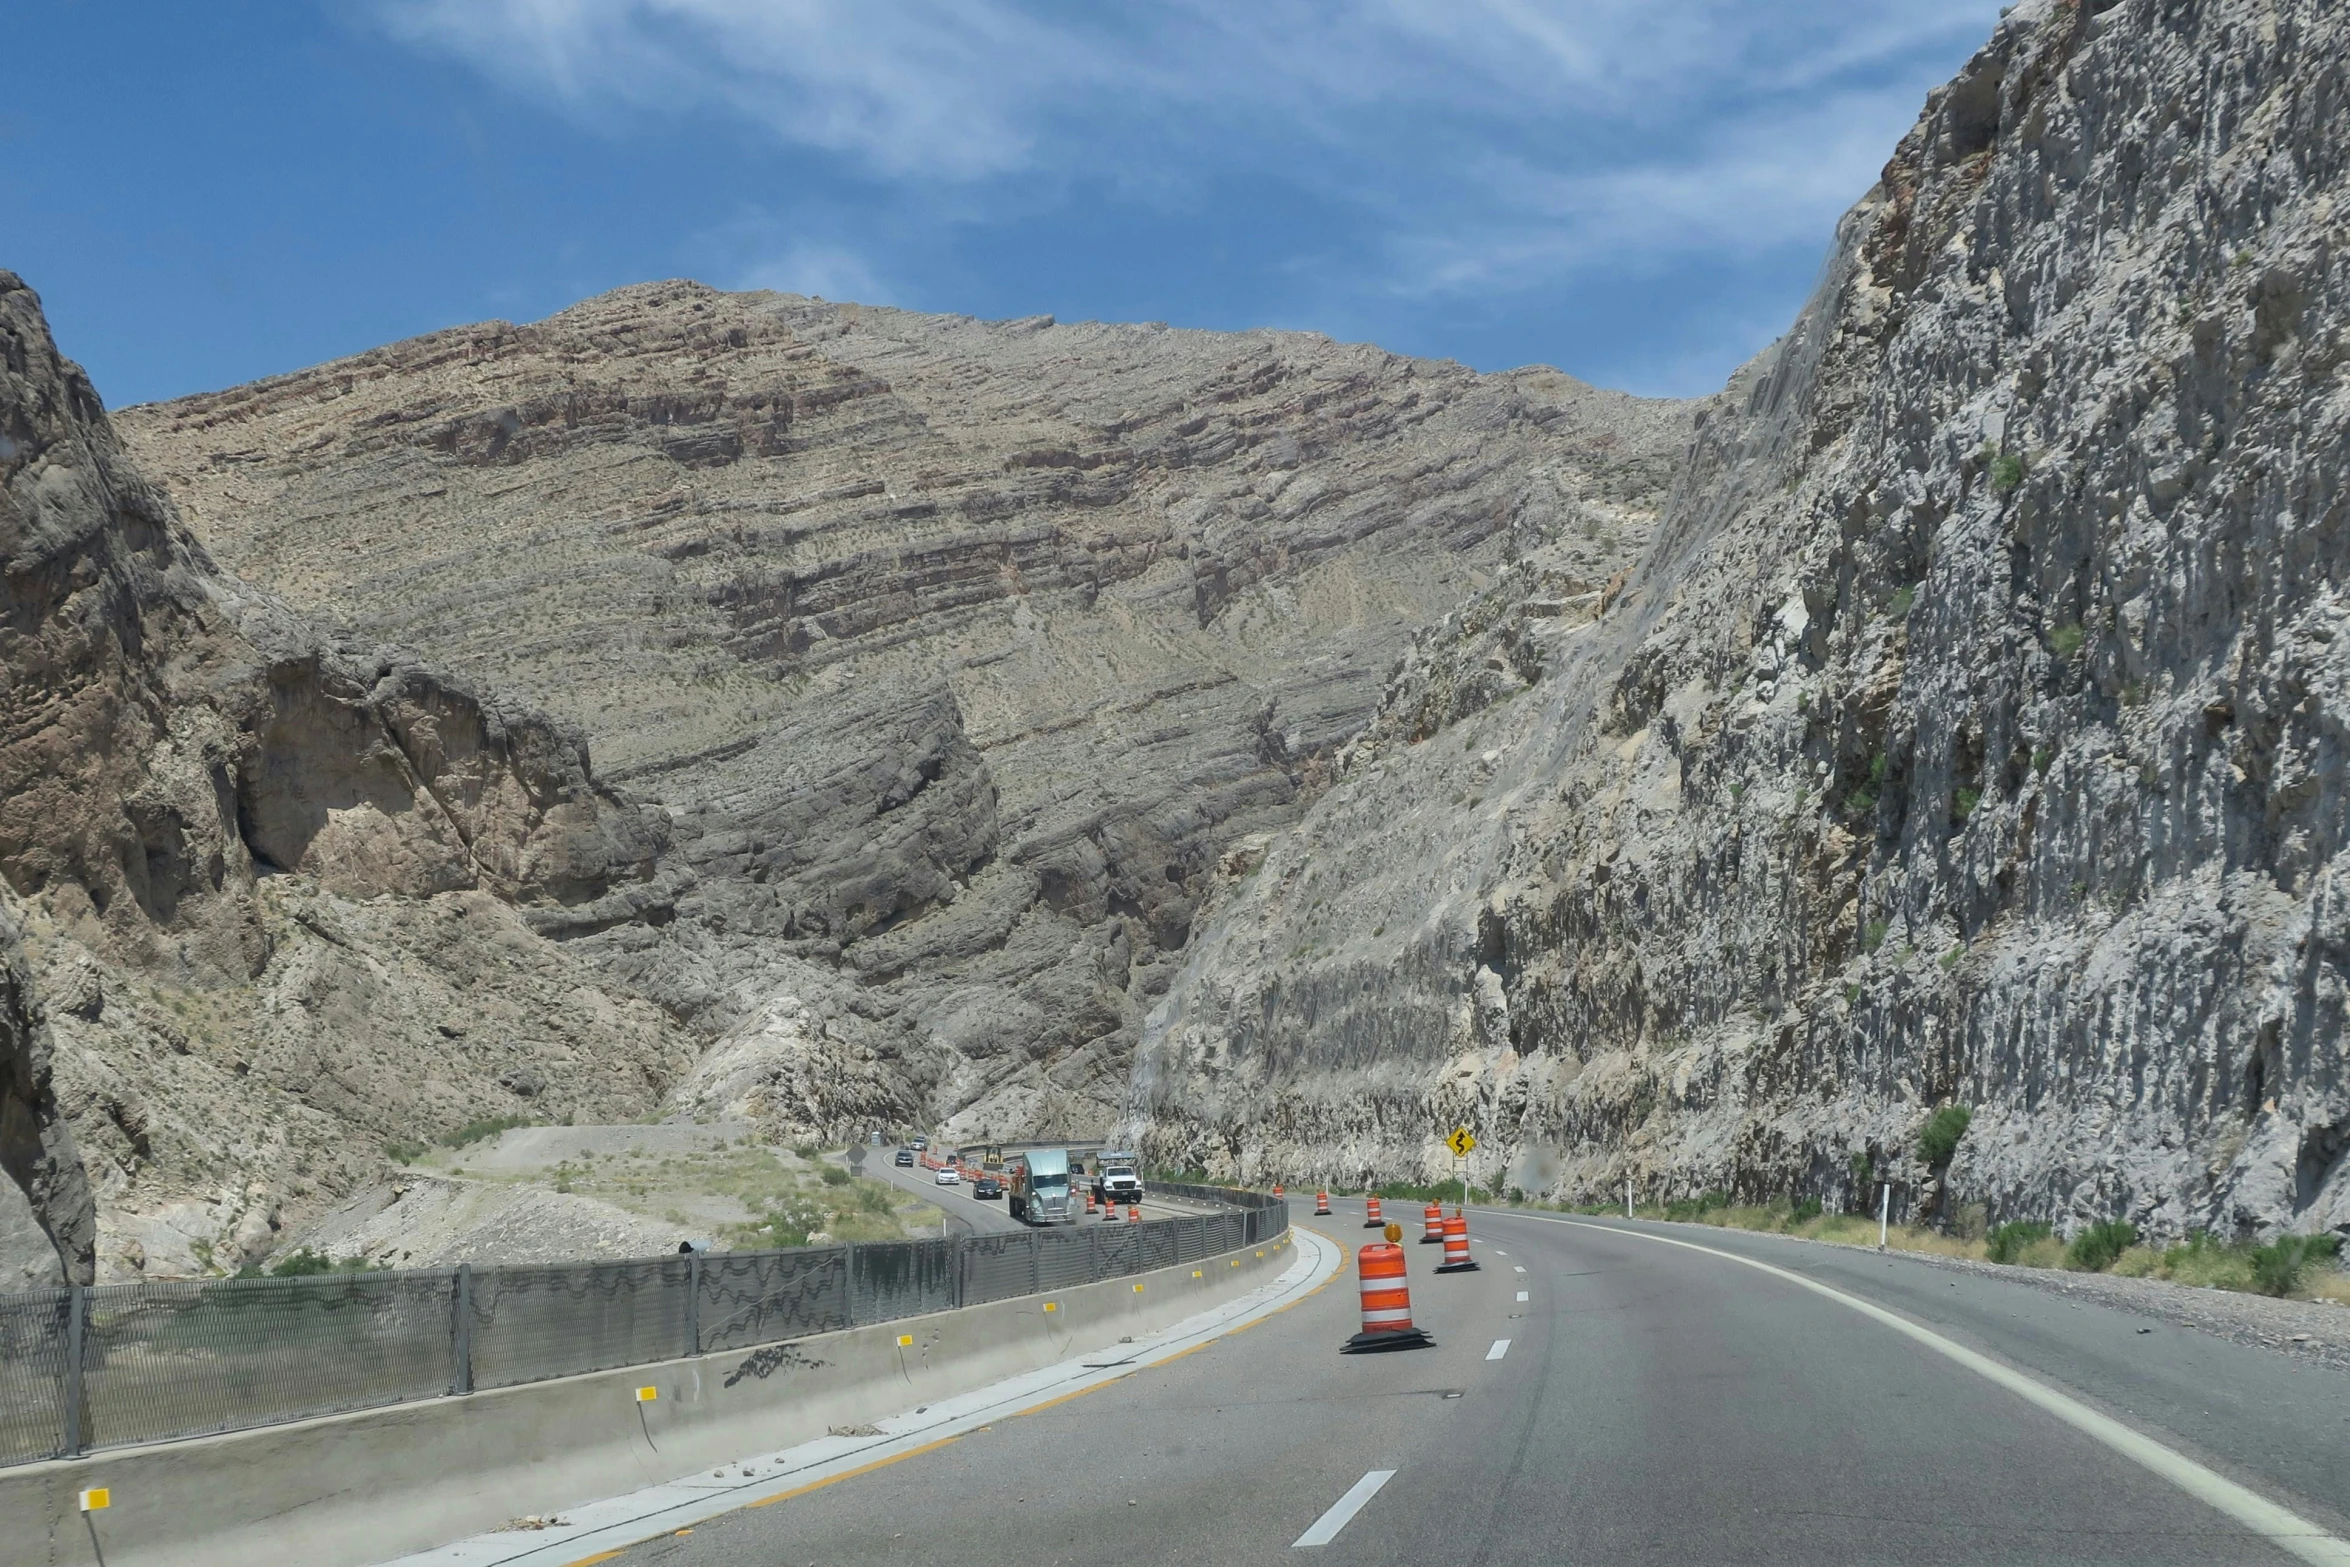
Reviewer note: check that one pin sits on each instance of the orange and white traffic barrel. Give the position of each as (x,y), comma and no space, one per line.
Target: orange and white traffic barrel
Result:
(1432,1224)
(1456,1246)
(1133,1213)
(1089,1202)
(1277,1191)
(1387,1302)
(1321,1205)
(1373,1221)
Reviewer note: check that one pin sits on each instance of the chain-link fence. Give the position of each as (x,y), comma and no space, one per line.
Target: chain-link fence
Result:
(124,1363)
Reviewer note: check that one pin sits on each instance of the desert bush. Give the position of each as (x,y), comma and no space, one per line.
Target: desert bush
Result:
(2100,1245)
(2276,1267)
(2008,1242)
(1939,1140)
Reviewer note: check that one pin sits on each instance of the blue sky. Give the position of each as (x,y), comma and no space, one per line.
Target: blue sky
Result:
(1637,191)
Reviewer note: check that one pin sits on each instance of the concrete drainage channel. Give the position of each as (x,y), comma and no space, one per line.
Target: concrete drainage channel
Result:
(623,1454)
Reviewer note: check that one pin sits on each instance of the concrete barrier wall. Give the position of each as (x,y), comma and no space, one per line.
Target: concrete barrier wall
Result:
(352,1489)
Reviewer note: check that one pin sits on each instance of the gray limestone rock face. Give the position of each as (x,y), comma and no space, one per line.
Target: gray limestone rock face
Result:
(274,878)
(1971,731)
(47,1224)
(954,654)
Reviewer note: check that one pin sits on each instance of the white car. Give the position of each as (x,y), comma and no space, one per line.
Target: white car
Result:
(948,1177)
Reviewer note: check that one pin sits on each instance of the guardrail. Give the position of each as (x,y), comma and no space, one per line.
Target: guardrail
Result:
(117,1364)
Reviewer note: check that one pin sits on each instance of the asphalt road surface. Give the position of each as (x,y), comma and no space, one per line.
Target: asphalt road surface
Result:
(966,1210)
(1621,1400)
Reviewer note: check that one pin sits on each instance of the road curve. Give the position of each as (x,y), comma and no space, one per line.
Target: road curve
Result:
(968,1212)
(1652,1403)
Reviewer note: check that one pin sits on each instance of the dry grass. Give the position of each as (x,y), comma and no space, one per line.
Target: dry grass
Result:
(2199,1261)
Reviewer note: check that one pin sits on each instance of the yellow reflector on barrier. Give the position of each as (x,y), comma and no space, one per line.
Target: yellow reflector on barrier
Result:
(1137,1289)
(645,1395)
(1195,1273)
(96,1499)
(1052,1305)
(905,1340)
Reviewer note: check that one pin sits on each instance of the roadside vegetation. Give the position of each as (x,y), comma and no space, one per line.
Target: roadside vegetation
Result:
(2306,1267)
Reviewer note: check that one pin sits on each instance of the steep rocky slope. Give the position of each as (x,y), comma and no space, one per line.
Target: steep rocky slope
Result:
(958,655)
(268,881)
(1972,730)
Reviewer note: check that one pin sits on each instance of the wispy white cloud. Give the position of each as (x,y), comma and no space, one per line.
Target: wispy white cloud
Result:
(1479,144)
(820,271)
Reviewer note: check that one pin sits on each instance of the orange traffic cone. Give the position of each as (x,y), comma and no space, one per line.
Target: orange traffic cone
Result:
(1432,1224)
(1089,1202)
(1321,1205)
(1133,1213)
(1387,1302)
(1277,1191)
(1374,1222)
(1456,1246)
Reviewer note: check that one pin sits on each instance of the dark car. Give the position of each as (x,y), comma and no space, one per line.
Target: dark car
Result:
(905,1156)
(987,1186)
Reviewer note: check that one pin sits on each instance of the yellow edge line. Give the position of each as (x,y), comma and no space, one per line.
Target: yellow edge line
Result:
(932,1447)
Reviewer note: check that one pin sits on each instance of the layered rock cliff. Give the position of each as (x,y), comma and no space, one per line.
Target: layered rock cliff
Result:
(1972,730)
(270,881)
(958,656)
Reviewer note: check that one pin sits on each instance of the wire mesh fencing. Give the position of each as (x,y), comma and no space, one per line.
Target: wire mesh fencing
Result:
(126,1363)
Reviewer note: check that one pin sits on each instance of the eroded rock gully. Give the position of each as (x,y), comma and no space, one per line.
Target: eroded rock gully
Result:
(263,885)
(956,656)
(1972,729)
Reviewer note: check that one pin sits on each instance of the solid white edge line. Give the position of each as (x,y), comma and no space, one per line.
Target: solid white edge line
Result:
(629,1519)
(1342,1512)
(1501,1347)
(2280,1526)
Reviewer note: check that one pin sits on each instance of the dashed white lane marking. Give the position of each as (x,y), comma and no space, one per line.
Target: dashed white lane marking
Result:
(2286,1530)
(1501,1347)
(1343,1510)
(1518,1267)
(1522,1295)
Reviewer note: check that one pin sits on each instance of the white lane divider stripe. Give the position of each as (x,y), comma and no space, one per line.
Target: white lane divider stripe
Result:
(1501,1347)
(1522,1295)
(2280,1526)
(1518,1267)
(1342,1511)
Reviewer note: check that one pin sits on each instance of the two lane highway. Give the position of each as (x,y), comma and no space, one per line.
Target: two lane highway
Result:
(1598,1394)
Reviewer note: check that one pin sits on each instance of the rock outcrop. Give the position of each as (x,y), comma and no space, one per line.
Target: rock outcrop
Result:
(1972,730)
(272,882)
(955,654)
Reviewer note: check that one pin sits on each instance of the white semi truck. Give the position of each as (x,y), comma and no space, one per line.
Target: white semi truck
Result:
(1036,1186)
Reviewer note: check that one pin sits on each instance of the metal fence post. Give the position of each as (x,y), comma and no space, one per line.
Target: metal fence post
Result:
(77,1317)
(693,1303)
(848,1288)
(1035,1263)
(955,1242)
(461,1330)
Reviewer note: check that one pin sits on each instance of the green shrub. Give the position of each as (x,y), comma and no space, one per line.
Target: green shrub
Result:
(1939,1140)
(1872,935)
(1902,602)
(1962,805)
(2100,1246)
(476,1131)
(2067,639)
(2008,1242)
(2276,1267)
(1688,1209)
(834,1175)
(2007,471)
(401,1151)
(1804,1212)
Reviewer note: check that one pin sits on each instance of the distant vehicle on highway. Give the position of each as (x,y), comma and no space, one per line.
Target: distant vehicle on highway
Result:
(1117,1180)
(919,1143)
(905,1156)
(949,1176)
(987,1187)
(1036,1186)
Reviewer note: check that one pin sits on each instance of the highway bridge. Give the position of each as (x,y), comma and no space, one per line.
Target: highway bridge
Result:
(1611,1393)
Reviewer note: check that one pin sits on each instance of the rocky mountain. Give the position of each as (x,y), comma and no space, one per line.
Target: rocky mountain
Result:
(265,887)
(962,660)
(1971,731)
